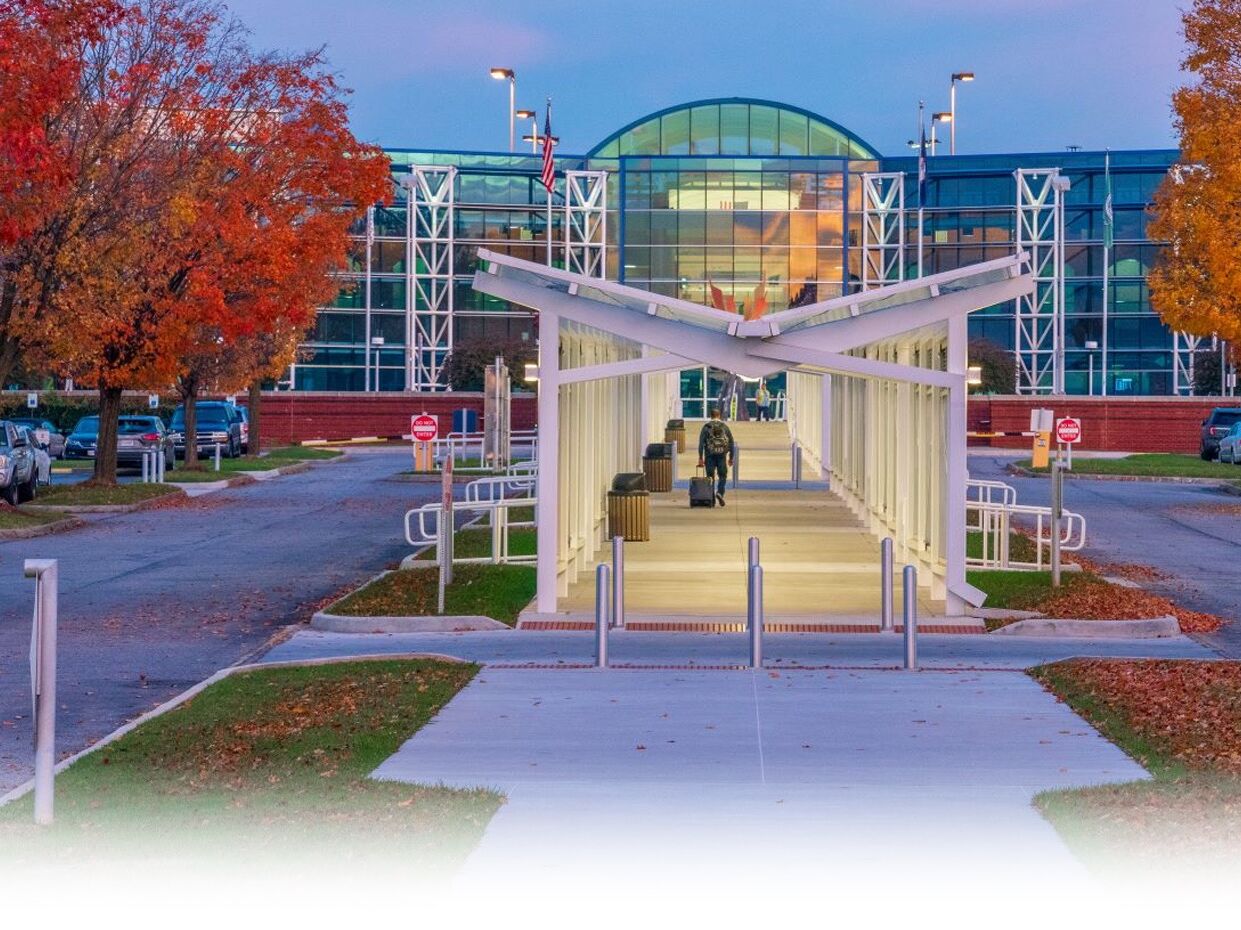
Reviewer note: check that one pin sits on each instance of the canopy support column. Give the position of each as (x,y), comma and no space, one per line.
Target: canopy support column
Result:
(957,469)
(547,514)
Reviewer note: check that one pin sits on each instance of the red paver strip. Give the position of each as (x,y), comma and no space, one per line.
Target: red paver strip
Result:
(654,626)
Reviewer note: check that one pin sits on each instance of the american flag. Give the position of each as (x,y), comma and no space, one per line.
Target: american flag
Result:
(549,166)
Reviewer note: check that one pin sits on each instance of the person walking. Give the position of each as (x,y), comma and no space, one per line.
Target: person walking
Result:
(715,452)
(762,401)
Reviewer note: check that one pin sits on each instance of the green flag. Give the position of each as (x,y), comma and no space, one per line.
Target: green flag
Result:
(1109,219)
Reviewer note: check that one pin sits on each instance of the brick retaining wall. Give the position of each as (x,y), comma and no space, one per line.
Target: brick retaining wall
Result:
(1109,424)
(295,416)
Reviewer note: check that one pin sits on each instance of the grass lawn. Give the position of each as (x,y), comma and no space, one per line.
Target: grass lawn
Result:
(1181,719)
(87,493)
(475,543)
(1021,548)
(276,458)
(1150,464)
(268,767)
(496,591)
(14,518)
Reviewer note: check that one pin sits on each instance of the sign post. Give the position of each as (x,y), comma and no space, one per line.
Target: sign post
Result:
(32,400)
(1068,433)
(447,527)
(423,430)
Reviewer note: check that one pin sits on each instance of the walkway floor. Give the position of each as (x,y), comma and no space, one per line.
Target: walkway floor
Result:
(649,779)
(818,561)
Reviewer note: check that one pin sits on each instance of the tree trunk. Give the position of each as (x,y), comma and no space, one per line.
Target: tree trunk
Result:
(9,345)
(256,400)
(188,389)
(105,448)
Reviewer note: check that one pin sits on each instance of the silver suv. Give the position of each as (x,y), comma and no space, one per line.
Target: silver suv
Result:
(19,475)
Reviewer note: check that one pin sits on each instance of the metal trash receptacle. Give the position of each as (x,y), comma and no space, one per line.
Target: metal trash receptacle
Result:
(629,508)
(657,466)
(674,432)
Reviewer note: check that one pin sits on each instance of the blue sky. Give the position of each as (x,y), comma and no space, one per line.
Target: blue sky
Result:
(1051,73)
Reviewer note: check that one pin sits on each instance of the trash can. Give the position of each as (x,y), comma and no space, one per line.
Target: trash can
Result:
(657,466)
(675,432)
(629,508)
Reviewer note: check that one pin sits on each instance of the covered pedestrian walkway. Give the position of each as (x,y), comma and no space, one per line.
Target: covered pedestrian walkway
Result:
(876,395)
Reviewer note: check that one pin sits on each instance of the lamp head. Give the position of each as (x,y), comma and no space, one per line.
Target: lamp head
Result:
(524,114)
(944,117)
(964,76)
(502,74)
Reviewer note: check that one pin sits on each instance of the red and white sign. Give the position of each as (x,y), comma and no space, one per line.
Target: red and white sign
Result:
(1068,430)
(424,427)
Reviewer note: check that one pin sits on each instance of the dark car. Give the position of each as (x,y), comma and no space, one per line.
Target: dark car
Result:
(217,423)
(46,432)
(19,476)
(82,441)
(1215,427)
(140,434)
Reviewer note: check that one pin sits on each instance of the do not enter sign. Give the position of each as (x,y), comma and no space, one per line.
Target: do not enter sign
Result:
(424,427)
(1068,430)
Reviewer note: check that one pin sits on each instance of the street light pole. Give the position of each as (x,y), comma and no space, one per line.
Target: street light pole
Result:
(508,74)
(940,117)
(964,77)
(377,343)
(534,122)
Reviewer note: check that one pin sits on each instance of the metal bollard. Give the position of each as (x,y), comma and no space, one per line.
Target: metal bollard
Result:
(885,585)
(910,594)
(755,616)
(161,461)
(736,464)
(146,467)
(752,559)
(795,452)
(43,670)
(217,456)
(601,616)
(618,582)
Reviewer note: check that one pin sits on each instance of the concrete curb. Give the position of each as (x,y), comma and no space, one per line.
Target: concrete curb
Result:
(1158,628)
(1226,483)
(107,508)
(175,702)
(43,529)
(335,623)
(1003,613)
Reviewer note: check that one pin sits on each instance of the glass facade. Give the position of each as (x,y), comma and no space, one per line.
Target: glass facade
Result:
(738,203)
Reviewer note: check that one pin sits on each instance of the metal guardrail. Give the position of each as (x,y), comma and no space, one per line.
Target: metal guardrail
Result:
(523,445)
(991,509)
(490,498)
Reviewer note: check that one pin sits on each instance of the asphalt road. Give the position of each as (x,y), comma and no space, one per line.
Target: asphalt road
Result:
(154,601)
(1192,533)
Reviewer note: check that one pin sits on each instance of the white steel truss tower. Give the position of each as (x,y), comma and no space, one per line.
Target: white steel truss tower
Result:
(1039,346)
(429,272)
(883,229)
(1184,348)
(585,222)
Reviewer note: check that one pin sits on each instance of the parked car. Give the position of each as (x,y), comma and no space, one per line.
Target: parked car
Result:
(18,472)
(217,422)
(42,458)
(1214,427)
(140,434)
(46,432)
(81,442)
(1230,445)
(244,413)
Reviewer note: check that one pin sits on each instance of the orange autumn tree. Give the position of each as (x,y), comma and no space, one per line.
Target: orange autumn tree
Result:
(1196,285)
(272,223)
(38,76)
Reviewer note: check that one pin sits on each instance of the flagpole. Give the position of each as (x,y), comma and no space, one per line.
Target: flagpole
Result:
(921,183)
(549,227)
(1107,248)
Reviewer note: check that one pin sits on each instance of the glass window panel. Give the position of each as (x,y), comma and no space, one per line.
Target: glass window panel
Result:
(641,140)
(637,262)
(661,183)
(802,229)
(692,228)
(803,194)
(391,326)
(831,265)
(831,191)
(675,130)
(351,295)
(747,263)
(390,221)
(747,190)
(663,264)
(719,264)
(734,129)
(663,227)
(637,190)
(793,132)
(826,141)
(775,229)
(339,327)
(691,263)
(719,190)
(802,264)
(387,295)
(705,130)
(719,228)
(764,130)
(388,257)
(747,228)
(776,264)
(831,229)
(637,227)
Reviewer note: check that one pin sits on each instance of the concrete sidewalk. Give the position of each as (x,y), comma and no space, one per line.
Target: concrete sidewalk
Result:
(659,777)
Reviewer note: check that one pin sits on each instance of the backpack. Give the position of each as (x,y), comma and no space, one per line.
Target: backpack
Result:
(718,442)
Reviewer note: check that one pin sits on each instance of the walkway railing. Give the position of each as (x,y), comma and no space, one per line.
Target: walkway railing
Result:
(461,447)
(991,509)
(488,499)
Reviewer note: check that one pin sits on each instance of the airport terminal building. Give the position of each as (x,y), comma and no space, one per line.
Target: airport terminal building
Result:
(755,206)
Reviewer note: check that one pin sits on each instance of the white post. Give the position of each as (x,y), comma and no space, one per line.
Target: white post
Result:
(146,467)
(217,456)
(161,462)
(756,616)
(43,671)
(885,584)
(618,581)
(601,616)
(910,594)
(956,467)
(548,490)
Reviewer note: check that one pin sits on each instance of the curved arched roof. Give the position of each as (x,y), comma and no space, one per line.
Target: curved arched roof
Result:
(734,126)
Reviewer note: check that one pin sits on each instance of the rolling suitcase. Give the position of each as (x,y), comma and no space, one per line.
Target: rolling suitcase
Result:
(701,490)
